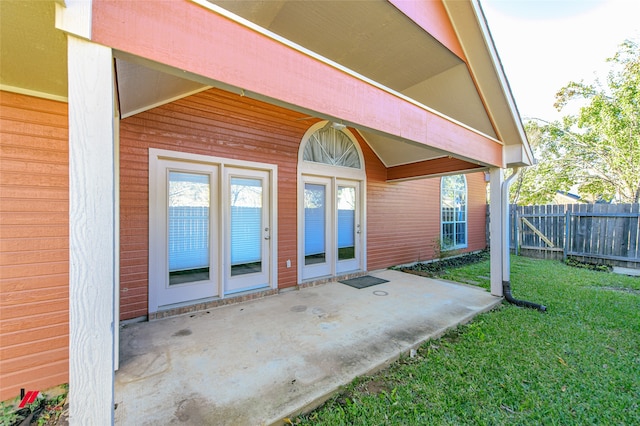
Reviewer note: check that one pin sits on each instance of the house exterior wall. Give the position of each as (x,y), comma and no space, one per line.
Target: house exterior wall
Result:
(417,236)
(477,213)
(215,123)
(223,124)
(34,230)
(34,243)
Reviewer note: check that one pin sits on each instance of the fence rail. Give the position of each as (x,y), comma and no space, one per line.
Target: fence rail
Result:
(595,233)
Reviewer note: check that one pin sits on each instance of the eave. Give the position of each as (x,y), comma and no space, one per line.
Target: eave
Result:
(431,168)
(166,51)
(240,57)
(473,32)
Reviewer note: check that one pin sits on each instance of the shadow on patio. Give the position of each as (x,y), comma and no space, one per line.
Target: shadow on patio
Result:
(257,362)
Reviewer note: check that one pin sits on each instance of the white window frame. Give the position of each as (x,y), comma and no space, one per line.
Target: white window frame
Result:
(455,222)
(158,237)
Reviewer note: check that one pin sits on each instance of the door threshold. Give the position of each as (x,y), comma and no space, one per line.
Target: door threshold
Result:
(210,303)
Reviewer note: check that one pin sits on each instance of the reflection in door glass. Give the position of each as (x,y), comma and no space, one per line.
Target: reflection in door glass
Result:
(246,226)
(188,227)
(346,222)
(314,224)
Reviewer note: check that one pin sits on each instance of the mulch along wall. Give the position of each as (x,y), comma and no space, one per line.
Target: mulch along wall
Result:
(403,219)
(34,244)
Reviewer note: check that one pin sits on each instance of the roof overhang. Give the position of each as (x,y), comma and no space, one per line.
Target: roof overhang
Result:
(477,43)
(440,80)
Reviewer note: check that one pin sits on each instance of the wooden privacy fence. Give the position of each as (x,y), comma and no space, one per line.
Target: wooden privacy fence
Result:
(594,233)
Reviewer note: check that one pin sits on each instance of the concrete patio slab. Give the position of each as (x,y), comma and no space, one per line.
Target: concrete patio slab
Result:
(256,362)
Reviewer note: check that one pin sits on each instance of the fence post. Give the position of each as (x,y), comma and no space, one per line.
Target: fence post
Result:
(517,230)
(567,233)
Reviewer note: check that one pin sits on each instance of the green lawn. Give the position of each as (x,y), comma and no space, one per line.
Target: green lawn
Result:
(578,363)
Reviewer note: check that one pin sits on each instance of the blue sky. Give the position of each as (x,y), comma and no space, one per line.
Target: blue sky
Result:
(544,44)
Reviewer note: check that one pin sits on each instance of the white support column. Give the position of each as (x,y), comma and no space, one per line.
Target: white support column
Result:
(497,239)
(92,232)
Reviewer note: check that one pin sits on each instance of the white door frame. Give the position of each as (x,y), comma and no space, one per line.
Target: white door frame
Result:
(307,172)
(246,282)
(349,265)
(164,293)
(157,233)
(332,265)
(325,268)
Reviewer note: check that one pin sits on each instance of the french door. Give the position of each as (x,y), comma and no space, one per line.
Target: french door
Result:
(210,228)
(348,226)
(184,222)
(331,234)
(248,238)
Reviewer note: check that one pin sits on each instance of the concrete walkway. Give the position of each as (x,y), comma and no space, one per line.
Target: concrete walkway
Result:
(255,363)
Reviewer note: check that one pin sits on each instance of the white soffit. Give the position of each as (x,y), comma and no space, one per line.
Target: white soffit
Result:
(394,152)
(141,88)
(448,92)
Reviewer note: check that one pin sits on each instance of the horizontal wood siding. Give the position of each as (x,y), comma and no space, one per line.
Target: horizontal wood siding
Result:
(223,124)
(34,244)
(215,123)
(477,211)
(403,218)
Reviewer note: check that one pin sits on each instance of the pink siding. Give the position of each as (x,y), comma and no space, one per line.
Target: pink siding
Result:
(403,222)
(222,124)
(34,211)
(34,244)
(183,35)
(215,123)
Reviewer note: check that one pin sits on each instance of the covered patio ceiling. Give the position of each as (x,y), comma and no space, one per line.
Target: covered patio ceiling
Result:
(376,40)
(373,38)
(33,53)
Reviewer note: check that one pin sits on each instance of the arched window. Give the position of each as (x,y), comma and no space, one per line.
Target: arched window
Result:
(453,202)
(331,146)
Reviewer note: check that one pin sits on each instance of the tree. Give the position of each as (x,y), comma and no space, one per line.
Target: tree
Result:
(539,183)
(599,148)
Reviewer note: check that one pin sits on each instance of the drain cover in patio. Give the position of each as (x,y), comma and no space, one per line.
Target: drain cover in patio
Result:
(363,282)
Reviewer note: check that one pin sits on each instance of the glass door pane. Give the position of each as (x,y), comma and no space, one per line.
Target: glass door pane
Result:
(346,203)
(189,205)
(348,231)
(315,224)
(247,230)
(246,226)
